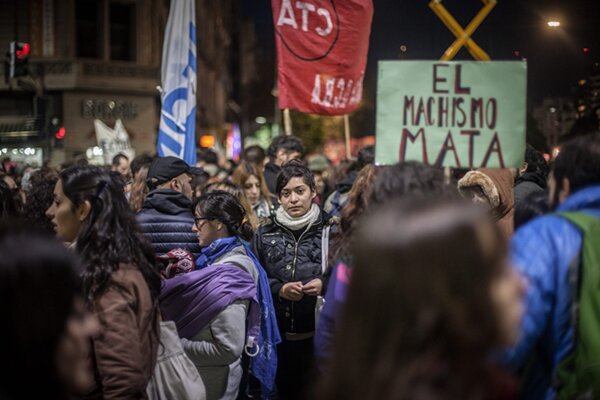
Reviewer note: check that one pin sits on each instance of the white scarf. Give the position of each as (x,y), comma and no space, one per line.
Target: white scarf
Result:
(295,224)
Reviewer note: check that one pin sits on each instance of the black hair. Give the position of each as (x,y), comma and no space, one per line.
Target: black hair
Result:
(224,207)
(409,179)
(536,162)
(199,182)
(578,162)
(117,159)
(254,154)
(8,205)
(366,156)
(38,287)
(533,205)
(208,156)
(287,143)
(295,169)
(140,161)
(110,234)
(39,199)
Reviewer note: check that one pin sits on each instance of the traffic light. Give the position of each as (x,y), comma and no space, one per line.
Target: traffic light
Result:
(18,56)
(57,130)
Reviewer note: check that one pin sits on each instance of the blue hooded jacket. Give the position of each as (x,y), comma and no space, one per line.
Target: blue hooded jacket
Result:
(542,251)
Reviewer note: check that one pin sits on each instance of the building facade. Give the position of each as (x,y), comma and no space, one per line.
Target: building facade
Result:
(100,59)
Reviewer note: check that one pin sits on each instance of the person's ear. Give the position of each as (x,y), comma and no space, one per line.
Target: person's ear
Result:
(174,185)
(219,226)
(83,211)
(313,194)
(281,156)
(523,168)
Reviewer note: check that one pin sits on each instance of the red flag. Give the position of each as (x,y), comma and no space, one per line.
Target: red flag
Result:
(322,50)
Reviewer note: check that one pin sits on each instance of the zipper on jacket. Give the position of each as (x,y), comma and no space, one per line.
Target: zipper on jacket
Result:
(296,242)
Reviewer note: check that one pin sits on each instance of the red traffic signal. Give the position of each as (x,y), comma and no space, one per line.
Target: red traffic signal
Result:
(18,57)
(60,134)
(22,50)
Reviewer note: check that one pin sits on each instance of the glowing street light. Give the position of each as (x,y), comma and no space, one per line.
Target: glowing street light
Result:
(553,23)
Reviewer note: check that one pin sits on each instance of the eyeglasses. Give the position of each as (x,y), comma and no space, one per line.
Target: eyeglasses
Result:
(197,221)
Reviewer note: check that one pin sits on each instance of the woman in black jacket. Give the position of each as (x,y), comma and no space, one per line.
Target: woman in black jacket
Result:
(289,248)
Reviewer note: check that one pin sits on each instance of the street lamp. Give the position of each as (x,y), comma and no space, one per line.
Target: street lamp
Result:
(553,23)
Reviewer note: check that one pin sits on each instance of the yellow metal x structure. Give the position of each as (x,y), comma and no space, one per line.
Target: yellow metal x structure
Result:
(463,36)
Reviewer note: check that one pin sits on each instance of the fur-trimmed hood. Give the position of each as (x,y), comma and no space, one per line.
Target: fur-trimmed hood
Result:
(497,186)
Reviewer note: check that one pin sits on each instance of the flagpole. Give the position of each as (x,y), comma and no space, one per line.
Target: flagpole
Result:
(347,136)
(287,122)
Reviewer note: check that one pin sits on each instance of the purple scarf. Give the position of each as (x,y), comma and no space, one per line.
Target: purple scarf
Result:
(192,300)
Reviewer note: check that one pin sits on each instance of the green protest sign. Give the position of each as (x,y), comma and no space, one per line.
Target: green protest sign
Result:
(462,114)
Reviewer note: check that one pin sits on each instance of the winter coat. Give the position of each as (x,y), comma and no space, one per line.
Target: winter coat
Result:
(542,251)
(166,220)
(126,346)
(286,259)
(526,184)
(497,186)
(270,174)
(217,349)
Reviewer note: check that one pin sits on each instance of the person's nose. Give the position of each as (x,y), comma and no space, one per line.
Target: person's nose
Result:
(50,211)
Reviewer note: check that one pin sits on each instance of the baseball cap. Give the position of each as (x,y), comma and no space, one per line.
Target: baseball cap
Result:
(164,169)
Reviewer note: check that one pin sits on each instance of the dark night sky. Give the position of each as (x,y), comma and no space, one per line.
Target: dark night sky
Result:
(556,60)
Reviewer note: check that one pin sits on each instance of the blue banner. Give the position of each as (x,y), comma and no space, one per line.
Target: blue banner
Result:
(177,131)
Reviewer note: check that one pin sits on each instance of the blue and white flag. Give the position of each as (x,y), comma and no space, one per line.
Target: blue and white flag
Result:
(176,135)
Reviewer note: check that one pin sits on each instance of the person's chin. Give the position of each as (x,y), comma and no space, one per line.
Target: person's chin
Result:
(296,213)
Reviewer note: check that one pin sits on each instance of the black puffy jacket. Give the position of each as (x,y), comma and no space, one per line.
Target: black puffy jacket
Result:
(166,219)
(286,259)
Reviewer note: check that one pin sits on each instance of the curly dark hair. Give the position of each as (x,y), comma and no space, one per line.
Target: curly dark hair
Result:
(110,234)
(225,208)
(39,199)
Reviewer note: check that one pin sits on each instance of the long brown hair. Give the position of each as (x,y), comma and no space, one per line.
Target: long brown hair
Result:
(139,189)
(419,318)
(244,171)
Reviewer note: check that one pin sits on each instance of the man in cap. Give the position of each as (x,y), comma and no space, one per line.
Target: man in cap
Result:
(166,218)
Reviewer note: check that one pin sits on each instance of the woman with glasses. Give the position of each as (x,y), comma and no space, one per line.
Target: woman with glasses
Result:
(220,309)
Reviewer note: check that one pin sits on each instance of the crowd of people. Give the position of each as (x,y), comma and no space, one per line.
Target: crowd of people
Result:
(282,276)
